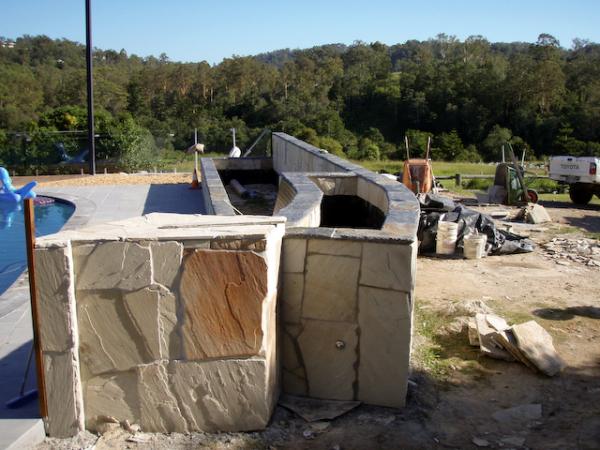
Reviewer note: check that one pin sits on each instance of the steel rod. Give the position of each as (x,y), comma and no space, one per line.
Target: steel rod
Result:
(90,87)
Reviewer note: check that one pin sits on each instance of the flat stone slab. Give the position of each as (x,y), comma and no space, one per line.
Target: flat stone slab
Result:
(312,410)
(536,344)
(222,294)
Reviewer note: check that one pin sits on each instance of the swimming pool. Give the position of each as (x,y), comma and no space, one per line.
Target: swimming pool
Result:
(13,260)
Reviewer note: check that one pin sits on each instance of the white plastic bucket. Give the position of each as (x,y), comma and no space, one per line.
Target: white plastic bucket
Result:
(474,246)
(447,233)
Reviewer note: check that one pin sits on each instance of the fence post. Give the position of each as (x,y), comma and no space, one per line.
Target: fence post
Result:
(457,179)
(35,315)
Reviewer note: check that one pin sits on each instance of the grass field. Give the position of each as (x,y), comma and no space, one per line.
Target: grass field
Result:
(440,168)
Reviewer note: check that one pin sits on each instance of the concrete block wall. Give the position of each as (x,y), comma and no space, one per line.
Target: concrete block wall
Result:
(166,321)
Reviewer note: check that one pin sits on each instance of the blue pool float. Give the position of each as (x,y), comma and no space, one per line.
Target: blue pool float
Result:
(8,193)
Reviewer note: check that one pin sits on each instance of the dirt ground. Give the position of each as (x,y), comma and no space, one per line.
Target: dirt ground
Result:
(454,391)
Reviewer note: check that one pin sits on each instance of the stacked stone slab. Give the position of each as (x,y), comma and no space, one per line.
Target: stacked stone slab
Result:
(166,321)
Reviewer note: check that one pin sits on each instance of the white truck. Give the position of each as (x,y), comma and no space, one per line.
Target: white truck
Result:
(581,174)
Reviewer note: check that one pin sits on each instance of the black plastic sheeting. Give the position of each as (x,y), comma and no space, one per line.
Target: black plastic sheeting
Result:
(499,242)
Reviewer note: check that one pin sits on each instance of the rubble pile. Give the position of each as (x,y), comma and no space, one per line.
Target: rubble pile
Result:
(582,251)
(527,343)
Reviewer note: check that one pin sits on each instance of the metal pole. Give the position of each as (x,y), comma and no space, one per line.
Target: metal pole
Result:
(35,314)
(90,87)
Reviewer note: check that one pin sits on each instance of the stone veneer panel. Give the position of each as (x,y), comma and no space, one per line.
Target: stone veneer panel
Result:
(109,338)
(291,297)
(222,294)
(110,265)
(56,298)
(63,394)
(385,323)
(294,375)
(330,288)
(341,247)
(184,396)
(228,395)
(166,260)
(388,266)
(294,254)
(329,352)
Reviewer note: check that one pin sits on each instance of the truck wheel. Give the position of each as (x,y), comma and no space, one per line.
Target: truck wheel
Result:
(580,193)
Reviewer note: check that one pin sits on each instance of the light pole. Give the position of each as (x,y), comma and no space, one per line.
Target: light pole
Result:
(90,87)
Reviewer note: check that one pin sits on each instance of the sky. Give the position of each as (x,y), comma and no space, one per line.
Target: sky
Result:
(210,30)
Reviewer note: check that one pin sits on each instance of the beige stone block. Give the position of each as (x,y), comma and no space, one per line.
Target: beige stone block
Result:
(142,307)
(110,265)
(170,340)
(388,266)
(221,395)
(63,394)
(385,335)
(291,297)
(109,338)
(196,243)
(255,245)
(166,261)
(222,294)
(330,288)
(398,303)
(329,352)
(340,247)
(159,408)
(294,254)
(153,313)
(114,395)
(290,352)
(377,197)
(56,298)
(362,188)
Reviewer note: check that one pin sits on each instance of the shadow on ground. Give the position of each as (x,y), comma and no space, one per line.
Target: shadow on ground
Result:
(592,312)
(569,205)
(12,370)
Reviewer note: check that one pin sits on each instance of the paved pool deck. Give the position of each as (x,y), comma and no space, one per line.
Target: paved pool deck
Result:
(22,427)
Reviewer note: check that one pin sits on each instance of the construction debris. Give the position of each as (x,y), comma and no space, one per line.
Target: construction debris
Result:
(536,345)
(487,342)
(535,213)
(582,251)
(528,343)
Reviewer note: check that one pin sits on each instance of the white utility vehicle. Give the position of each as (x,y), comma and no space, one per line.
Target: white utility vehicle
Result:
(581,174)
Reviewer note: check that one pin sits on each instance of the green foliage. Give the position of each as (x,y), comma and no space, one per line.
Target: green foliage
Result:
(367,149)
(417,143)
(469,96)
(132,144)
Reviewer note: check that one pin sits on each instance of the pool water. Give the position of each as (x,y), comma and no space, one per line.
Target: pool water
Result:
(13,256)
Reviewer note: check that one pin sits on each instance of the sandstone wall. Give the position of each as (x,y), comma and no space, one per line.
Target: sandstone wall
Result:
(347,313)
(347,294)
(166,321)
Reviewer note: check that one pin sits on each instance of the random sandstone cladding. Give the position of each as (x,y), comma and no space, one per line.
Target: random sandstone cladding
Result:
(346,309)
(170,336)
